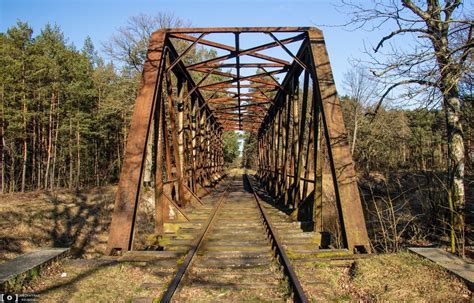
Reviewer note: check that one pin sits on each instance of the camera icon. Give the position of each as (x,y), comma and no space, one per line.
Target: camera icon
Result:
(9,298)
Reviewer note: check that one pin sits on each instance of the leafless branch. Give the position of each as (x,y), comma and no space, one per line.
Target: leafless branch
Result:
(400,31)
(403,82)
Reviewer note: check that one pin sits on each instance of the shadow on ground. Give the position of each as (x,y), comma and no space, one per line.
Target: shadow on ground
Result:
(79,220)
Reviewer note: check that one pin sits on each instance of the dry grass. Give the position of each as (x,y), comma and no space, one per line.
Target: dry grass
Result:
(229,295)
(404,277)
(240,171)
(79,220)
(324,283)
(102,282)
(76,219)
(401,277)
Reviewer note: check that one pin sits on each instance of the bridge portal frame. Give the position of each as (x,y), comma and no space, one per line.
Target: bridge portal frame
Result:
(171,116)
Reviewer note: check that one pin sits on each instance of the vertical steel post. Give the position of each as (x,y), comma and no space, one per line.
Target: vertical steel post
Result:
(126,200)
(342,167)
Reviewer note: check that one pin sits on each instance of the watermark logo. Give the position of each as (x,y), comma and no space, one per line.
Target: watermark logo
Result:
(14,298)
(9,298)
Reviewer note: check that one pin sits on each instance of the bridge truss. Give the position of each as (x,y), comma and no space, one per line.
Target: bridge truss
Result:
(281,89)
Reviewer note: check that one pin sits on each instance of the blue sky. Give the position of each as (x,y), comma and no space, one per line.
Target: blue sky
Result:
(99,19)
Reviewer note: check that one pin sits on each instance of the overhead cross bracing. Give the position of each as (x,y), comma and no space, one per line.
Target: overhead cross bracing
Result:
(275,82)
(245,72)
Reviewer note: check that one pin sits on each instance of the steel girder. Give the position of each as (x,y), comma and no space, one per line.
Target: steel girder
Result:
(185,105)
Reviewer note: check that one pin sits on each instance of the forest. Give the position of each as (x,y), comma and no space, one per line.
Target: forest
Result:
(65,112)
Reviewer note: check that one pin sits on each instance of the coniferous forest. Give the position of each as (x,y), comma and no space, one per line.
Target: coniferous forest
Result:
(65,112)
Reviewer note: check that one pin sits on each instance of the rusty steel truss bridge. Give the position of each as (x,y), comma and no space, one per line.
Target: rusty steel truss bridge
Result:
(274,82)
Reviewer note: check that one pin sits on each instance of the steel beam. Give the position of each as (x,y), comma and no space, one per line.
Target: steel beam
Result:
(342,166)
(293,125)
(126,200)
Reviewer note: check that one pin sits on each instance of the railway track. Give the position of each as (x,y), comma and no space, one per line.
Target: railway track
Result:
(237,250)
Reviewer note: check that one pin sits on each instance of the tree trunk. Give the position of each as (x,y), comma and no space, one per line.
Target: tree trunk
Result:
(70,155)
(2,144)
(78,171)
(354,134)
(2,159)
(56,131)
(12,168)
(33,154)
(50,137)
(119,154)
(41,152)
(456,194)
(96,163)
(124,143)
(25,158)
(25,141)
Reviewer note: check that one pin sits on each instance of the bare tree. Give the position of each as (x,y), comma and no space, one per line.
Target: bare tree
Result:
(129,45)
(363,91)
(435,54)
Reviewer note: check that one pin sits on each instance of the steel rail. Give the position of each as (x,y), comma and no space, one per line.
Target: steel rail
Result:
(298,293)
(168,295)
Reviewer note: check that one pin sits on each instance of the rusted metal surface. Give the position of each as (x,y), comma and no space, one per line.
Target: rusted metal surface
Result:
(239,29)
(123,219)
(303,133)
(342,166)
(289,100)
